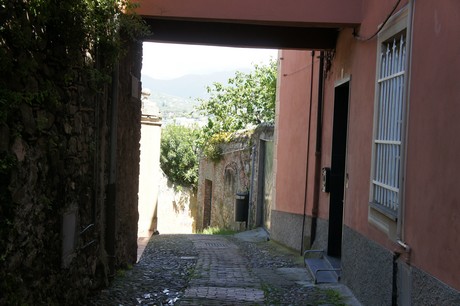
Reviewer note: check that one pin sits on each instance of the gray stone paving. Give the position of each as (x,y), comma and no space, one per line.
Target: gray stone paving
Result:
(222,275)
(218,270)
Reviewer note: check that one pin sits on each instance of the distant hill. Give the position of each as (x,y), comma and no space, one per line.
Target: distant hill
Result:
(176,98)
(173,104)
(189,86)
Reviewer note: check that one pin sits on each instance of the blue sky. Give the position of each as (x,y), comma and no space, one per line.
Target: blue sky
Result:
(169,61)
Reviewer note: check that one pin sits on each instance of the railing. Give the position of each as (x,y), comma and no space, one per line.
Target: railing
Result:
(386,180)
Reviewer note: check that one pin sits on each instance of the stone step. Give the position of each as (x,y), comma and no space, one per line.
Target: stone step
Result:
(324,269)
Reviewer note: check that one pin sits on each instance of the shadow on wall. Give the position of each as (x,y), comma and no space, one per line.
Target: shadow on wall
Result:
(154,220)
(176,208)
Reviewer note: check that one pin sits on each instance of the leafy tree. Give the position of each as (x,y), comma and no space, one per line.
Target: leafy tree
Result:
(179,154)
(248,100)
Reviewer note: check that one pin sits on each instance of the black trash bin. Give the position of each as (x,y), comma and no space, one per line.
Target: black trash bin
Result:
(241,206)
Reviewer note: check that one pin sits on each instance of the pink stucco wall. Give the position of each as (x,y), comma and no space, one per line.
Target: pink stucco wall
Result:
(432,191)
(431,202)
(431,199)
(291,126)
(355,60)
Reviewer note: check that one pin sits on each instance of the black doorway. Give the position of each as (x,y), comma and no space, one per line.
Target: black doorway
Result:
(337,175)
(207,204)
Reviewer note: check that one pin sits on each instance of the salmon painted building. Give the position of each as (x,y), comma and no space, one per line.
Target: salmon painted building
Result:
(366,133)
(367,150)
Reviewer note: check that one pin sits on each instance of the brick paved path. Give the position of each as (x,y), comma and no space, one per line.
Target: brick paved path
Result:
(217,270)
(221,275)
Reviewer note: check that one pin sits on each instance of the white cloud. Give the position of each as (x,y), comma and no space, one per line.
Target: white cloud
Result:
(168,61)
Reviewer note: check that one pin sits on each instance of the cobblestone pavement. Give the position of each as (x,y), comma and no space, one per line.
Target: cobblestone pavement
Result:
(218,270)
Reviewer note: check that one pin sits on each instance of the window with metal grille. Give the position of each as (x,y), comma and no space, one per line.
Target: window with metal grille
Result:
(388,127)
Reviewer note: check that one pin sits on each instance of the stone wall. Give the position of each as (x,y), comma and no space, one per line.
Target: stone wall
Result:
(236,172)
(54,169)
(176,208)
(229,175)
(257,207)
(128,157)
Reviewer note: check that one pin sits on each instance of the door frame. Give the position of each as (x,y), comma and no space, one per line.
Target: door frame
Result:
(262,211)
(338,172)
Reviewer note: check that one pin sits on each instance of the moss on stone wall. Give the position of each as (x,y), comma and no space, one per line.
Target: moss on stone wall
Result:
(230,174)
(56,60)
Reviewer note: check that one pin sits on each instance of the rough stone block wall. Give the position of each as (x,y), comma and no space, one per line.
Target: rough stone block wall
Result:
(231,174)
(52,179)
(128,156)
(53,176)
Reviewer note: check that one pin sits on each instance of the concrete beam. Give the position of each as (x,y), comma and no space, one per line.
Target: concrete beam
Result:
(241,35)
(323,13)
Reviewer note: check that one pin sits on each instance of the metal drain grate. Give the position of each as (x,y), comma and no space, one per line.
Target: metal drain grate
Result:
(216,245)
(210,245)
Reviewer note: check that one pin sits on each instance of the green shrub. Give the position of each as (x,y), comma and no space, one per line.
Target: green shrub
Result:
(179,154)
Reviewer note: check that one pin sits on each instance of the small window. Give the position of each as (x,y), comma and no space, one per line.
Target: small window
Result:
(389,122)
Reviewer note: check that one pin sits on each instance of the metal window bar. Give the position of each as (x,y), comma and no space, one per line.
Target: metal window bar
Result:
(389,126)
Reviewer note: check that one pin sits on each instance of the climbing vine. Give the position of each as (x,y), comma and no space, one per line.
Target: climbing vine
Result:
(47,46)
(55,55)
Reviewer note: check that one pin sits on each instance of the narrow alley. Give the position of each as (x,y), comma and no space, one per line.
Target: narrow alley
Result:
(242,269)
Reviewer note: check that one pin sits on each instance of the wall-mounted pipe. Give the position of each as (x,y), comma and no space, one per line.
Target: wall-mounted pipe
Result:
(394,281)
(404,245)
(308,152)
(318,149)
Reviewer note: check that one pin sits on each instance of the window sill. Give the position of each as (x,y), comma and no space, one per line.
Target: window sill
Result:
(383,221)
(390,214)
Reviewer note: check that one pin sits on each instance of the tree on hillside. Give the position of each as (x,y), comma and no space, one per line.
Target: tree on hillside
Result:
(247,100)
